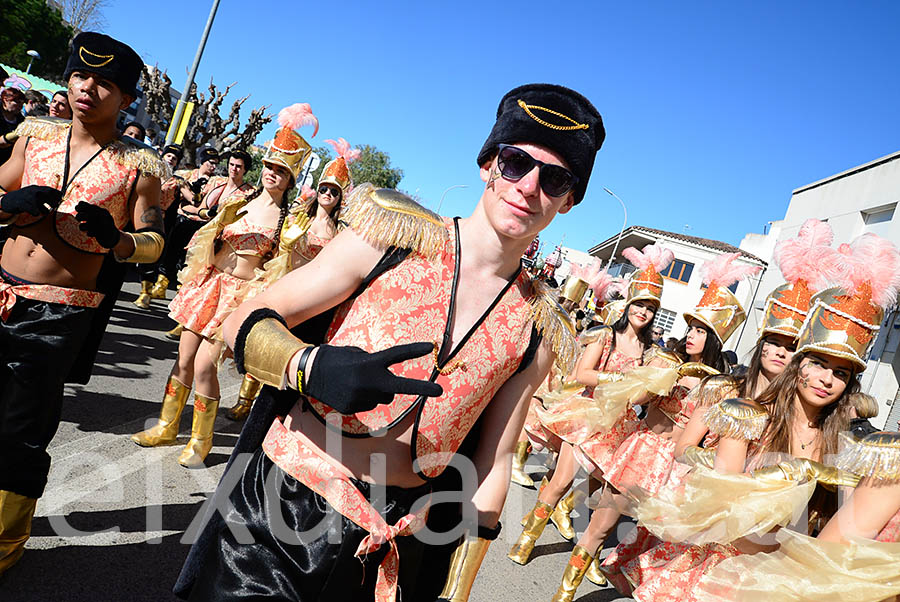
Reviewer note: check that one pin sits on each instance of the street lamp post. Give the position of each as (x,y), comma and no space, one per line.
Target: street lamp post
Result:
(445,194)
(622,231)
(179,108)
(34,54)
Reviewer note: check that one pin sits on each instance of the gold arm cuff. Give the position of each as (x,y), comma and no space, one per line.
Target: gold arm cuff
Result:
(609,377)
(696,369)
(464,565)
(699,456)
(148,247)
(268,351)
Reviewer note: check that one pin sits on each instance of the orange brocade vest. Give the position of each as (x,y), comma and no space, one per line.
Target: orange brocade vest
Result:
(104,181)
(411,303)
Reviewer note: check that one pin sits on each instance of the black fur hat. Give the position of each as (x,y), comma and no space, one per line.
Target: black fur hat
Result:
(108,58)
(553,116)
(207,153)
(175,149)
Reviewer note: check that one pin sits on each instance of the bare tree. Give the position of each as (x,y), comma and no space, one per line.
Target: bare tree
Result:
(83,14)
(206,125)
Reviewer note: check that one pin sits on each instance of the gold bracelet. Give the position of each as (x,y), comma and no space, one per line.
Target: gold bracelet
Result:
(148,247)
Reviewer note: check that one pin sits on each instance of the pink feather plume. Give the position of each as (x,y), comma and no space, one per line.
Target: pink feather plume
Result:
(809,256)
(597,278)
(342,148)
(724,272)
(876,261)
(306,192)
(656,255)
(297,115)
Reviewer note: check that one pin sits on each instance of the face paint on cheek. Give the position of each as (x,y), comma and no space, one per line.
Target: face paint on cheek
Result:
(804,377)
(495,175)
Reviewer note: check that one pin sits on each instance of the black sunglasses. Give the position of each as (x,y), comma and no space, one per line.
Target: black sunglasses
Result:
(514,164)
(329,190)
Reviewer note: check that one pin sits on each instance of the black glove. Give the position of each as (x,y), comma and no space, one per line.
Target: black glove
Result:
(98,223)
(351,380)
(36,200)
(197,185)
(212,211)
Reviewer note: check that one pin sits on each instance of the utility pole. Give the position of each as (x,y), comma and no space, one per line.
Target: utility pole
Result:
(179,108)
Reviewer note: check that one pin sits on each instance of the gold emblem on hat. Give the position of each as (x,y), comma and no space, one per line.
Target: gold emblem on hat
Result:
(103,59)
(565,128)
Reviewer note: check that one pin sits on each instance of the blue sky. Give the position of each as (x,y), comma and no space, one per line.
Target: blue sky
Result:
(714,110)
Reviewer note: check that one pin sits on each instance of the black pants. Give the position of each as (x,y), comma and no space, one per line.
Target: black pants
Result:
(178,238)
(39,342)
(312,570)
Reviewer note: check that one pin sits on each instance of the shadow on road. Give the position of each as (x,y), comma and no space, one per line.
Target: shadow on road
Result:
(138,572)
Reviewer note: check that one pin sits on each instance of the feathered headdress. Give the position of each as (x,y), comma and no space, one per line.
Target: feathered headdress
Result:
(844,320)
(337,170)
(599,280)
(289,149)
(342,148)
(298,115)
(875,265)
(808,263)
(718,309)
(647,283)
(723,272)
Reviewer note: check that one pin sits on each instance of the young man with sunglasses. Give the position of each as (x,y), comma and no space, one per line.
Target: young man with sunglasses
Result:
(80,198)
(468,336)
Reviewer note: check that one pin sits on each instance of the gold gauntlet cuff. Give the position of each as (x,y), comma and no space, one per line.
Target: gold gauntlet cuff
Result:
(148,247)
(464,565)
(696,369)
(268,351)
(803,469)
(699,456)
(609,377)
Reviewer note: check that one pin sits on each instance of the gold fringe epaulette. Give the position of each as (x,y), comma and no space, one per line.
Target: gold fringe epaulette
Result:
(135,155)
(43,128)
(555,325)
(388,218)
(714,389)
(669,359)
(737,418)
(877,456)
(592,335)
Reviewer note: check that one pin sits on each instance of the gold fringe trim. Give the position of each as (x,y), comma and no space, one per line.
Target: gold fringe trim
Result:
(555,325)
(592,335)
(742,419)
(200,251)
(43,128)
(876,456)
(142,158)
(387,218)
(714,389)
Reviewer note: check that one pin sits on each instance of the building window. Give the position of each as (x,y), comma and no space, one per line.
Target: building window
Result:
(665,319)
(679,270)
(620,270)
(878,219)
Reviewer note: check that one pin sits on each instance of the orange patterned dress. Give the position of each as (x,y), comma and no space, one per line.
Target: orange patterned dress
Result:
(203,302)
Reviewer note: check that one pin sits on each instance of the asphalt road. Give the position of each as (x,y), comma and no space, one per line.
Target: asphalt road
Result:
(110,522)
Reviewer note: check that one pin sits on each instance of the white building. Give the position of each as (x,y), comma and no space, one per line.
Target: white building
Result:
(569,257)
(683,283)
(859,200)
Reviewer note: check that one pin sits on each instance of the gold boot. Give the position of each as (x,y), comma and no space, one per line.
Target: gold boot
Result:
(534,526)
(560,515)
(578,565)
(143,300)
(16,512)
(166,429)
(520,456)
(175,333)
(198,447)
(594,574)
(249,390)
(544,483)
(158,290)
